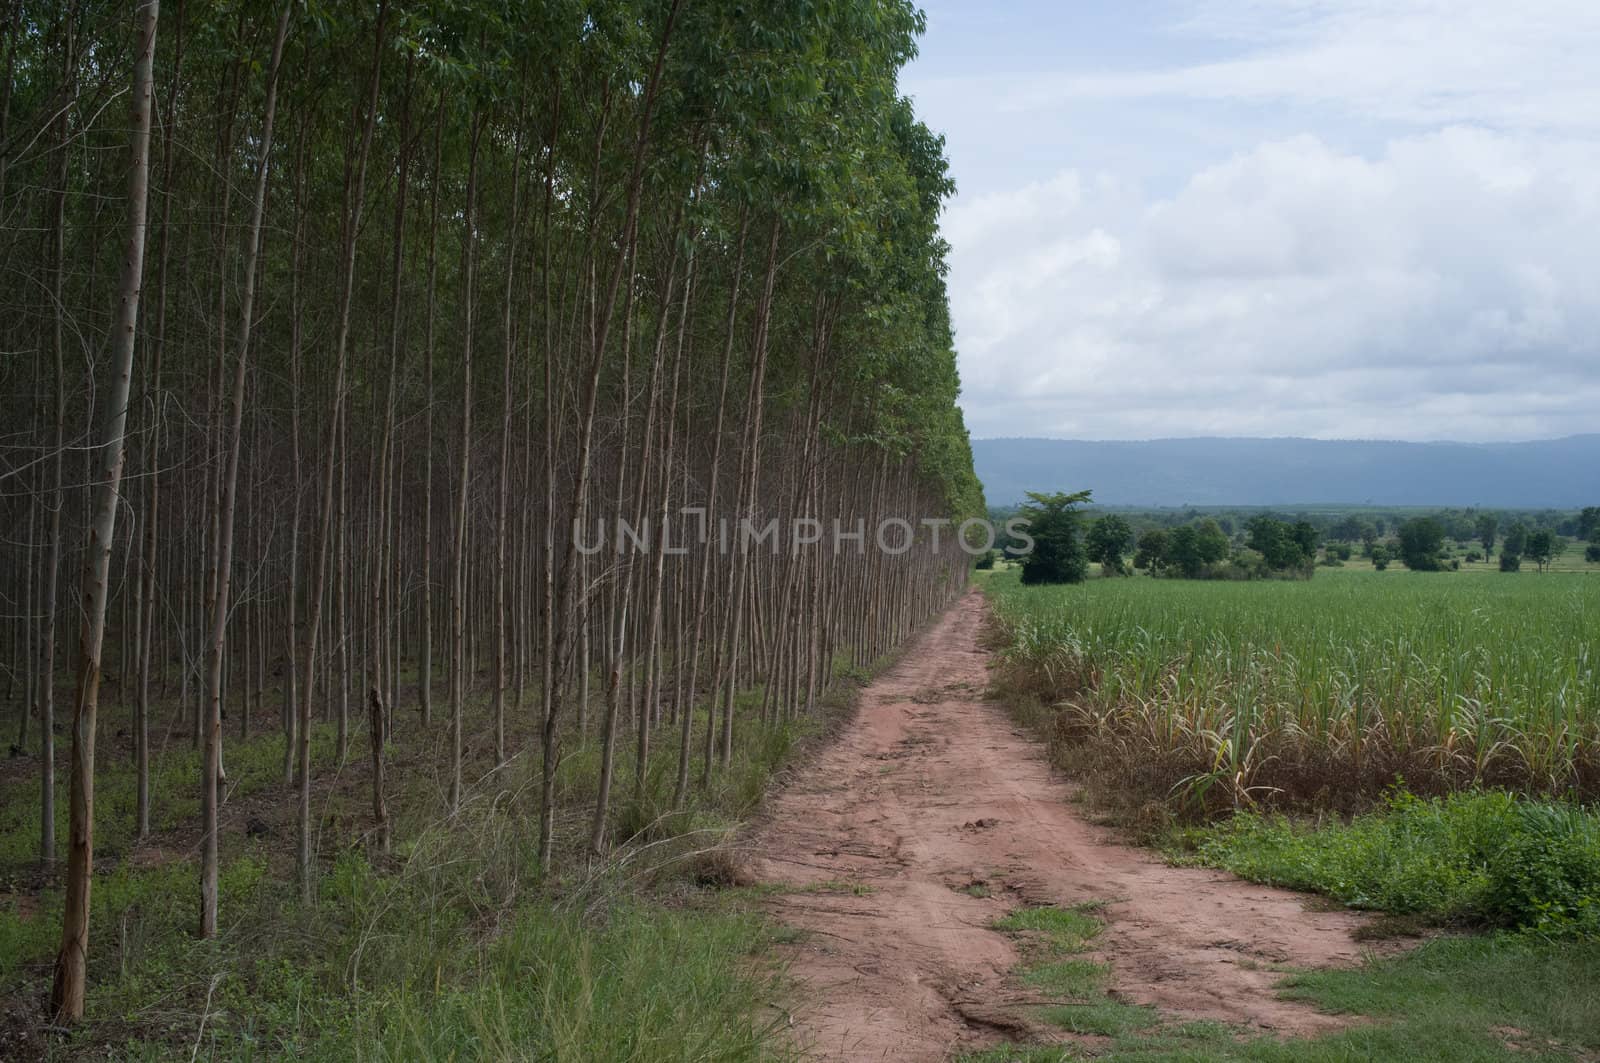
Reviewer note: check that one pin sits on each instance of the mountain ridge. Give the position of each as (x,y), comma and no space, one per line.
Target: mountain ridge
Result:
(1294,470)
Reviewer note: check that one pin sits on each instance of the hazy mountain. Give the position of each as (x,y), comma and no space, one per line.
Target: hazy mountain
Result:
(1208,471)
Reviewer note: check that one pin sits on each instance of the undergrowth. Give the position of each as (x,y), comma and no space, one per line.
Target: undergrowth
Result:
(451,946)
(1480,858)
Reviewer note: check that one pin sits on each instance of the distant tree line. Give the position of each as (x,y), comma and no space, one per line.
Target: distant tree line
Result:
(1243,543)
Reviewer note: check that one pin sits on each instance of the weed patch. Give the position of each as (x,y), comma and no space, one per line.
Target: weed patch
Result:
(1485,858)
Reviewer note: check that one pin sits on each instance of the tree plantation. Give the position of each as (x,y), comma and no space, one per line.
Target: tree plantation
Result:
(331,335)
(492,565)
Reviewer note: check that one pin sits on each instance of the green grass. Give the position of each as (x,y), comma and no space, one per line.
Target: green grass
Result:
(451,947)
(1479,858)
(253,766)
(1068,928)
(1052,941)
(1496,998)
(1227,697)
(1246,694)
(647,983)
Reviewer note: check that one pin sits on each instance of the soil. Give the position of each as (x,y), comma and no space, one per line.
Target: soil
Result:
(931,817)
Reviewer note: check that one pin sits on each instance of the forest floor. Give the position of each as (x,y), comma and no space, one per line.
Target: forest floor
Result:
(910,855)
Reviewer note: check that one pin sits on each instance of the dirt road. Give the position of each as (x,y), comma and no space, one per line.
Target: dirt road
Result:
(932,795)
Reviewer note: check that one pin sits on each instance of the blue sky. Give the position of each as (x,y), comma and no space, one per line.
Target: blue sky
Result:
(1334,218)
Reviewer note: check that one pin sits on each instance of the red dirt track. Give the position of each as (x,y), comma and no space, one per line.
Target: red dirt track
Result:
(932,790)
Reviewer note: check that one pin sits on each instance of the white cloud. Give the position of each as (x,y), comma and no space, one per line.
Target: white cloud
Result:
(1527,63)
(1292,289)
(1354,218)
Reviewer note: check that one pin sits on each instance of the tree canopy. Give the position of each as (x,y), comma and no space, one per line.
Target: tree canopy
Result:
(1421,539)
(1058,554)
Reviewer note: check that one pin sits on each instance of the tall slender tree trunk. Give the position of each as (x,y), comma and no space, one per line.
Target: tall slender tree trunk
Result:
(740,571)
(425,671)
(316,590)
(386,460)
(703,588)
(503,494)
(291,622)
(58,498)
(458,630)
(67,992)
(222,550)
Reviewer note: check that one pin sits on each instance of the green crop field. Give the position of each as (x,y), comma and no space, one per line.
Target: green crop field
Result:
(1317,693)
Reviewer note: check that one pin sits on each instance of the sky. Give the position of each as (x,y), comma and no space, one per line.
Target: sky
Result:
(1332,218)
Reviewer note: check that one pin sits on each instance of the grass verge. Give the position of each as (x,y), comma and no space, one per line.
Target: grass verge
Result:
(1492,999)
(1479,858)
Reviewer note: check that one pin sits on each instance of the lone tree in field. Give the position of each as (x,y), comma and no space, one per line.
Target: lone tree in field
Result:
(1109,540)
(1544,546)
(1420,541)
(1488,526)
(1058,554)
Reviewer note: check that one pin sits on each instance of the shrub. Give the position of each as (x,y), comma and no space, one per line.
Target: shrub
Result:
(1421,539)
(1510,563)
(1547,875)
(1591,553)
(1484,857)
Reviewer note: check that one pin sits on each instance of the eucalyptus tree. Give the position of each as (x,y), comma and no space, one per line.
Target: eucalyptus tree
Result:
(450,281)
(67,992)
(221,553)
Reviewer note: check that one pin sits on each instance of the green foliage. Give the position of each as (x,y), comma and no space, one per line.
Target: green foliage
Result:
(1588,526)
(1109,540)
(1544,546)
(1154,546)
(1208,546)
(1338,682)
(1591,553)
(1421,539)
(1282,546)
(1510,562)
(1482,857)
(1487,526)
(1058,554)
(1515,542)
